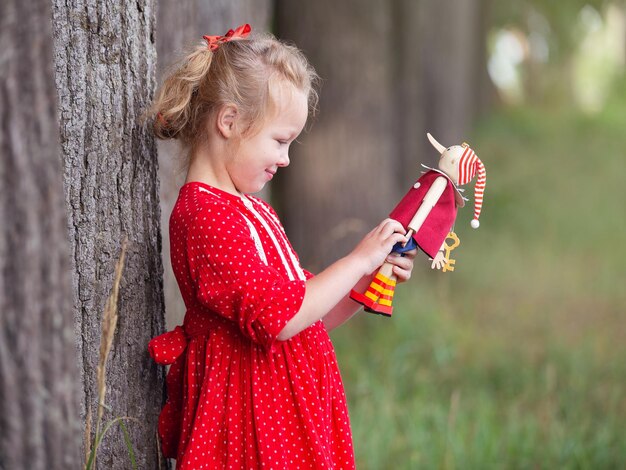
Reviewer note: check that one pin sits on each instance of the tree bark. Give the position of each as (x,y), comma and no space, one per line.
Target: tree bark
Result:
(486,94)
(39,419)
(105,67)
(341,181)
(408,116)
(182,24)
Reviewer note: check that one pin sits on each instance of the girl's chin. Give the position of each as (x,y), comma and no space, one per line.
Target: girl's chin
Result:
(252,186)
(252,189)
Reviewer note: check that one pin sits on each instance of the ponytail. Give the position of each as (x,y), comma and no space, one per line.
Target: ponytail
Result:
(172,107)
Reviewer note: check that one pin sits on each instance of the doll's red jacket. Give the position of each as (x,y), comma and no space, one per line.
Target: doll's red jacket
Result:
(441,218)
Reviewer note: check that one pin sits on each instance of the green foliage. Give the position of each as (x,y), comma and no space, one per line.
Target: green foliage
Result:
(98,439)
(517,358)
(560,18)
(573,51)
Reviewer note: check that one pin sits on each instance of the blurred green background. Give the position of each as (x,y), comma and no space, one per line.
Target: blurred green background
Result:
(517,359)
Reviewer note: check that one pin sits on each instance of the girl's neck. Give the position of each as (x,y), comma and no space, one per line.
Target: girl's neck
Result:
(206,168)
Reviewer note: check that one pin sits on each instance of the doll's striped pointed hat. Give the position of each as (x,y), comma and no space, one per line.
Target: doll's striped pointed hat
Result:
(469,166)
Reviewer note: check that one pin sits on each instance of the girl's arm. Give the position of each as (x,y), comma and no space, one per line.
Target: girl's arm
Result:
(330,287)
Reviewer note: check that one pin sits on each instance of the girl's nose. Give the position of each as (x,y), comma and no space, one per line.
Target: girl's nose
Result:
(284,159)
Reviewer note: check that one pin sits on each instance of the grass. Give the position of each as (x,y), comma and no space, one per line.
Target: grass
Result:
(108,324)
(517,359)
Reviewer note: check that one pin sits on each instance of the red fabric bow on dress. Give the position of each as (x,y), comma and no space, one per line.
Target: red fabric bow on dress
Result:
(240,32)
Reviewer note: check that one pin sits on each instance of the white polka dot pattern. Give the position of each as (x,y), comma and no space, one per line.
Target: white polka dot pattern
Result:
(238,397)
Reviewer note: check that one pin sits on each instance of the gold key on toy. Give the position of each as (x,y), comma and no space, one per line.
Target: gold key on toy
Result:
(449,266)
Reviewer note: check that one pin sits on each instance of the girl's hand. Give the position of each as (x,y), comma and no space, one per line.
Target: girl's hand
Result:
(402,265)
(376,246)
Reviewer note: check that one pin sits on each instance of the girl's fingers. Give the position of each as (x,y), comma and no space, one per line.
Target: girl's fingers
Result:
(397,227)
(400,261)
(385,229)
(390,232)
(389,226)
(396,238)
(402,274)
(402,266)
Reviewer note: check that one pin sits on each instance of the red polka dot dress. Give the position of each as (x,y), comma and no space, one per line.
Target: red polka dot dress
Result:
(237,396)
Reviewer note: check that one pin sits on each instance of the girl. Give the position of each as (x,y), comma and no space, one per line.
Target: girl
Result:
(253,381)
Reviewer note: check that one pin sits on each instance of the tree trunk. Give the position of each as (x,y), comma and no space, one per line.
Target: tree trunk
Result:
(180,24)
(451,47)
(183,23)
(39,419)
(105,66)
(486,94)
(342,177)
(408,115)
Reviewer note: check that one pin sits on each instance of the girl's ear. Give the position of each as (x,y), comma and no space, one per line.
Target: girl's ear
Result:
(227,120)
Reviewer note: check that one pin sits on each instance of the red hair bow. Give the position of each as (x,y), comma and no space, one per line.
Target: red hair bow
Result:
(241,32)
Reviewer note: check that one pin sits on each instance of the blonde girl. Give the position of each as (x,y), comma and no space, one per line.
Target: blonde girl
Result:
(253,382)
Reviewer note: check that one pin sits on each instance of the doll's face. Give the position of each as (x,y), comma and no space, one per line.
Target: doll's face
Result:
(449,162)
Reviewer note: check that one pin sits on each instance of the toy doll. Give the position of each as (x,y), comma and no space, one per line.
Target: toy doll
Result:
(428,212)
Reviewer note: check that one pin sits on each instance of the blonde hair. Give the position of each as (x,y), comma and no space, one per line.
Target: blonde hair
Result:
(243,71)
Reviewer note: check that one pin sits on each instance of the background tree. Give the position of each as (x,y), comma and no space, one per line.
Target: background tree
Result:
(39,423)
(341,178)
(105,61)
(453,82)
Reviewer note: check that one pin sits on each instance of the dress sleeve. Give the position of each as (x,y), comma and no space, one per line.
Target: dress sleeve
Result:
(232,280)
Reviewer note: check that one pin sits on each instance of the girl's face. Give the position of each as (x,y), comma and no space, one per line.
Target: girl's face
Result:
(259,156)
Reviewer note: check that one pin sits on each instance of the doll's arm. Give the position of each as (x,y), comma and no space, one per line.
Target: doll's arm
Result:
(440,259)
(430,200)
